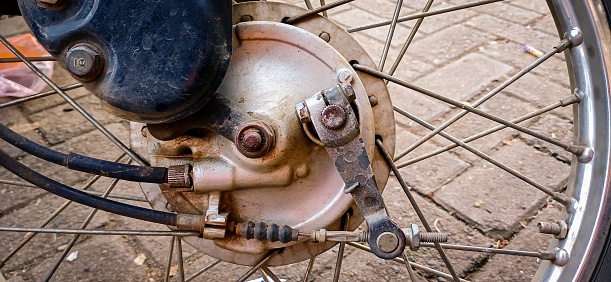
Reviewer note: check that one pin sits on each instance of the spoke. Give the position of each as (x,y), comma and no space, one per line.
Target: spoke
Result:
(574,149)
(408,265)
(384,152)
(306,276)
(559,48)
(422,15)
(31,59)
(76,106)
(546,255)
(409,39)
(391,31)
(261,263)
(206,268)
(305,15)
(270,274)
(181,266)
(401,261)
(76,236)
(264,276)
(340,252)
(563,199)
(308,4)
(324,13)
(101,231)
(562,103)
(169,264)
(40,95)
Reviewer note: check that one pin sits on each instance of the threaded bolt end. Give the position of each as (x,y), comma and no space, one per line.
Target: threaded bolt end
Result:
(433,237)
(549,228)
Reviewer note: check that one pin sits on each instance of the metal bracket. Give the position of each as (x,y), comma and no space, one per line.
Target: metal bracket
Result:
(337,127)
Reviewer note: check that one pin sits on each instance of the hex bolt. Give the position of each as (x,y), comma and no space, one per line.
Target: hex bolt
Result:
(559,228)
(333,117)
(415,237)
(83,62)
(387,242)
(325,36)
(303,113)
(252,139)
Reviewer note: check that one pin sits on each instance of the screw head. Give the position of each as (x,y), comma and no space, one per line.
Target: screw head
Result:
(344,76)
(303,113)
(333,117)
(83,62)
(387,242)
(246,18)
(252,139)
(325,36)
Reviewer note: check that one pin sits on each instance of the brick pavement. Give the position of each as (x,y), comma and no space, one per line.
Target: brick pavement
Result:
(462,57)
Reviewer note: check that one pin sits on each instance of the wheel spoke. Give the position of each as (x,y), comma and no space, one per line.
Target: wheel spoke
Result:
(260,264)
(563,199)
(409,39)
(423,15)
(31,59)
(40,95)
(546,255)
(324,13)
(181,266)
(76,106)
(401,261)
(391,31)
(308,272)
(572,99)
(340,251)
(206,268)
(305,15)
(76,236)
(101,231)
(168,266)
(270,274)
(408,265)
(574,149)
(384,152)
(308,4)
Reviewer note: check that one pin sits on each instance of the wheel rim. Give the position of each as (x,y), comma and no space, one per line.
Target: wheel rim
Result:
(589,75)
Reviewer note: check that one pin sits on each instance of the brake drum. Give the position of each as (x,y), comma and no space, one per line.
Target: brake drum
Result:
(274,66)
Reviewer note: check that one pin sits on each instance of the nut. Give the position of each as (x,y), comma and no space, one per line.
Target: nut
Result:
(83,62)
(333,117)
(303,113)
(254,140)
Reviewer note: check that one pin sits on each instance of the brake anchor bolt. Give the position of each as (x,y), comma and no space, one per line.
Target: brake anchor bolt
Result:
(415,237)
(559,228)
(84,62)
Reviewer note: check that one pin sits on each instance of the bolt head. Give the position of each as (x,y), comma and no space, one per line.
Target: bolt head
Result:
(387,242)
(303,113)
(344,76)
(333,117)
(415,237)
(325,36)
(252,139)
(83,62)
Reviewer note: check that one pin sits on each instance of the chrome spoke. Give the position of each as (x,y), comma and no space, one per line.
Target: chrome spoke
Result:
(384,152)
(76,236)
(40,95)
(168,266)
(31,59)
(264,276)
(181,266)
(76,106)
(324,13)
(562,103)
(574,149)
(545,255)
(408,265)
(401,261)
(409,39)
(305,15)
(308,4)
(391,32)
(261,263)
(270,274)
(200,272)
(308,272)
(340,251)
(560,197)
(423,15)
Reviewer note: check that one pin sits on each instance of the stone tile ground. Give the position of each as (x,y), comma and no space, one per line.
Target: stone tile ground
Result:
(463,57)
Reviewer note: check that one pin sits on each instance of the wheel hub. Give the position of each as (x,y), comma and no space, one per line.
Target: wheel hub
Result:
(274,66)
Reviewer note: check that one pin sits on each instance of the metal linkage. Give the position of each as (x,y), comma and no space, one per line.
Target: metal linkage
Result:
(423,15)
(311,12)
(579,151)
(570,40)
(76,106)
(560,197)
(572,99)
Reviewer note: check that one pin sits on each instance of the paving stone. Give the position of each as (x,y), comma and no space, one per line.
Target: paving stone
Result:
(443,46)
(514,32)
(428,175)
(542,92)
(516,268)
(71,122)
(501,105)
(547,25)
(436,23)
(537,6)
(61,78)
(497,202)
(13,26)
(16,121)
(383,8)
(95,144)
(555,127)
(42,244)
(510,13)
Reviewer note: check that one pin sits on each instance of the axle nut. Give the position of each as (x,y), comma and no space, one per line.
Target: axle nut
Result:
(333,117)
(254,140)
(387,242)
(83,62)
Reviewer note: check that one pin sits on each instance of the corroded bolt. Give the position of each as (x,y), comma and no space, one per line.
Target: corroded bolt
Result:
(325,36)
(252,139)
(333,117)
(387,242)
(83,62)
(246,18)
(558,228)
(303,113)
